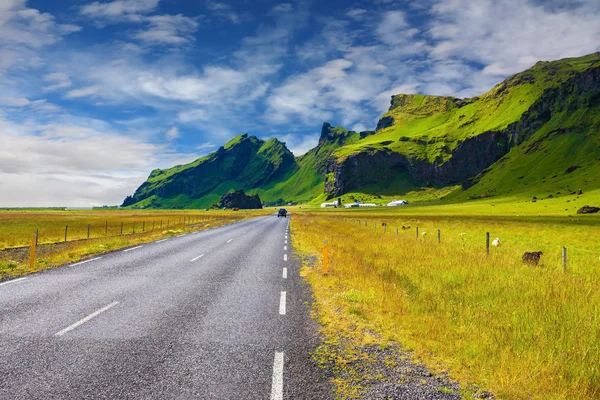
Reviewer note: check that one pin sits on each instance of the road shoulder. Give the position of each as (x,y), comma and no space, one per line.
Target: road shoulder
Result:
(360,362)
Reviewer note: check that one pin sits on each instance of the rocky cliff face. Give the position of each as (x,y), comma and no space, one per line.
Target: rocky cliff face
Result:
(472,155)
(241,200)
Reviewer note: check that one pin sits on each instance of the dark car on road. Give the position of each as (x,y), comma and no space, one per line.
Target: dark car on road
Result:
(282,213)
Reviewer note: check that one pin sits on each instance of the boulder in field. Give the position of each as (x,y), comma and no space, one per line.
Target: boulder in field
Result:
(588,210)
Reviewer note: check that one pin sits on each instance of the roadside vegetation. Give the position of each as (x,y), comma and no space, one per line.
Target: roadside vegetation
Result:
(18,227)
(492,322)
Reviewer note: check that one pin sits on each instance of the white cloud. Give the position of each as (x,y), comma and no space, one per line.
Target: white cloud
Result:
(20,25)
(356,13)
(41,106)
(63,163)
(206,146)
(158,29)
(282,8)
(74,162)
(172,134)
(510,36)
(59,80)
(201,89)
(23,31)
(168,29)
(224,11)
(118,9)
(88,91)
(193,115)
(394,30)
(14,101)
(345,91)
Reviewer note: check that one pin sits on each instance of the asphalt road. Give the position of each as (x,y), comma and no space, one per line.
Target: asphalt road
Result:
(216,314)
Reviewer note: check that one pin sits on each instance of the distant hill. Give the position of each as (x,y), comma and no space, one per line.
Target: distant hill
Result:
(538,132)
(266,168)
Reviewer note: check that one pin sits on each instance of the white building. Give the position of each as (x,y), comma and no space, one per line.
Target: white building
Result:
(334,204)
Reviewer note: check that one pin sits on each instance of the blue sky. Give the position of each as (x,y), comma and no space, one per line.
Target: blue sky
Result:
(96,94)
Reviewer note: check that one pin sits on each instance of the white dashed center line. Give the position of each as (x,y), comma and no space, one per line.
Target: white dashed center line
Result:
(12,281)
(282,303)
(284,247)
(277,383)
(285,257)
(285,273)
(230,240)
(133,248)
(86,319)
(196,258)
(87,261)
(160,241)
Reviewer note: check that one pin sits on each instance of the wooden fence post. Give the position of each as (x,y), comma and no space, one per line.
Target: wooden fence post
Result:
(325,259)
(384,228)
(143,226)
(134,227)
(396,231)
(37,235)
(439,236)
(487,243)
(417,232)
(564,259)
(66,231)
(88,231)
(121,228)
(32,251)
(106,229)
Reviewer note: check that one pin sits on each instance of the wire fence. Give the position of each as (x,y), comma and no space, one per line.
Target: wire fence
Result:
(82,230)
(563,253)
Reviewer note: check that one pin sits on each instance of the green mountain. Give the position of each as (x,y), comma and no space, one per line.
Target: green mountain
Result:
(511,134)
(538,132)
(266,168)
(245,162)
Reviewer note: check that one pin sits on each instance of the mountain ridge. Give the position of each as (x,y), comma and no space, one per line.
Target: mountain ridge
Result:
(420,142)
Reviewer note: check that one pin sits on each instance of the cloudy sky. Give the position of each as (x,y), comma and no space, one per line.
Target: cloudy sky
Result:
(96,94)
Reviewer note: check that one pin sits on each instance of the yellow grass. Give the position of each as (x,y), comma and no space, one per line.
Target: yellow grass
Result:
(519,331)
(17,228)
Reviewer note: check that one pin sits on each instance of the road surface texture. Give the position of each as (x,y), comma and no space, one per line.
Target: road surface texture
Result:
(216,314)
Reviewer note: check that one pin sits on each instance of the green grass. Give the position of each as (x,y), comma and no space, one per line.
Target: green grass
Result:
(492,322)
(18,227)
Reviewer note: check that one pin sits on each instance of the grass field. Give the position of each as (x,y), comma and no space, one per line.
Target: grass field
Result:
(492,322)
(109,230)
